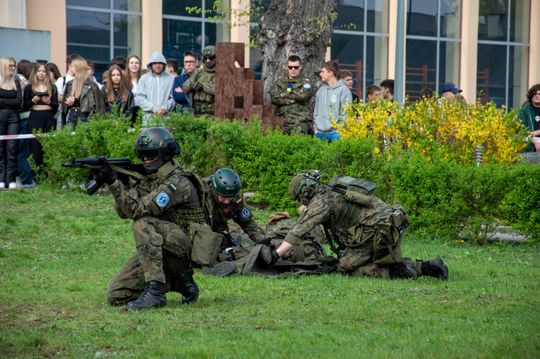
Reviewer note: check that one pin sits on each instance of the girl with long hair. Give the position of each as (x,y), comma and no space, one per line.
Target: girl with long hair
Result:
(82,97)
(133,72)
(118,96)
(41,98)
(10,102)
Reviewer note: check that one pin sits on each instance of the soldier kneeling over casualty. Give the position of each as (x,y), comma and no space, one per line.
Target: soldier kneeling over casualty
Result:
(167,206)
(361,229)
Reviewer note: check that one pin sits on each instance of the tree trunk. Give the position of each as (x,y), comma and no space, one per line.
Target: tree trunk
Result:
(293,27)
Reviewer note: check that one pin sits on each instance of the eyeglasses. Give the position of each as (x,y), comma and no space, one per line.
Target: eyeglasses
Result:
(536,94)
(293,67)
(189,62)
(12,66)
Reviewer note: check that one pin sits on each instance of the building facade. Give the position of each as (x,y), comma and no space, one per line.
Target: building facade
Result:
(488,48)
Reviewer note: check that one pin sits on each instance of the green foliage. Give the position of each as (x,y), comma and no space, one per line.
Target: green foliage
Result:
(443,198)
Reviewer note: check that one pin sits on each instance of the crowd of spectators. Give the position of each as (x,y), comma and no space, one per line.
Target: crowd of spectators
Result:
(35,97)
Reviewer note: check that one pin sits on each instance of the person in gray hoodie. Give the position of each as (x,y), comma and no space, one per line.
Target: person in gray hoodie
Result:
(330,103)
(154,89)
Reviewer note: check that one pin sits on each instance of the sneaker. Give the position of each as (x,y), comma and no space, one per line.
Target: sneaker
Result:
(27,186)
(2,185)
(12,185)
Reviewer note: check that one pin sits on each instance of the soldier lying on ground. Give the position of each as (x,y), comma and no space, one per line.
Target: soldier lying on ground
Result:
(246,257)
(362,230)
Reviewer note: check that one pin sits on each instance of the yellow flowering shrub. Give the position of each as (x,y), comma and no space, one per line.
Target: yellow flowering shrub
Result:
(449,129)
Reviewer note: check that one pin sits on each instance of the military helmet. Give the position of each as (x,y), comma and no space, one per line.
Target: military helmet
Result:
(304,183)
(209,52)
(226,182)
(156,142)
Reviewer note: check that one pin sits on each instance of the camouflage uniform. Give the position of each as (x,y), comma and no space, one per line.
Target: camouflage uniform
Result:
(366,238)
(162,206)
(204,98)
(292,98)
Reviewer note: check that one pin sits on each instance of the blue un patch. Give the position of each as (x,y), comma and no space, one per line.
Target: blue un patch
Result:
(245,213)
(162,199)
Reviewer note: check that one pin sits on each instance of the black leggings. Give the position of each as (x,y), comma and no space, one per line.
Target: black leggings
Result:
(43,121)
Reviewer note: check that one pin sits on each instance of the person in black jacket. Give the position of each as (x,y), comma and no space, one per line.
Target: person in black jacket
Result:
(10,102)
(118,97)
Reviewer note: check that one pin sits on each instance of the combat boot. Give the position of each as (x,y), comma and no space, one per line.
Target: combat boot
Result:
(403,270)
(152,297)
(434,268)
(188,288)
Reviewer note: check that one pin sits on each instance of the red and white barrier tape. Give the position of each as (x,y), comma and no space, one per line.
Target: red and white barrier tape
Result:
(17,137)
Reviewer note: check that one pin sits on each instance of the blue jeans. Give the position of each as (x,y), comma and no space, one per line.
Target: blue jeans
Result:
(23,167)
(328,136)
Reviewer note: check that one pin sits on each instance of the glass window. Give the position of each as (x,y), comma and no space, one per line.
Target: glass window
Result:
(376,60)
(350,15)
(104,4)
(377,18)
(519,21)
(491,77)
(347,49)
(503,62)
(127,5)
(448,62)
(450,19)
(421,70)
(180,36)
(175,7)
(88,27)
(422,17)
(127,35)
(493,20)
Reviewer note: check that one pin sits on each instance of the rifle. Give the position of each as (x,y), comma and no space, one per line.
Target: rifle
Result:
(122,166)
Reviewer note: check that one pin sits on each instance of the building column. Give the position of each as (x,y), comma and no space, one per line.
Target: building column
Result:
(240,28)
(152,29)
(534,44)
(52,18)
(393,40)
(469,49)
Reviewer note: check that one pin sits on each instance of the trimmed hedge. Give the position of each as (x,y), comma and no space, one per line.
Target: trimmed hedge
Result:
(442,198)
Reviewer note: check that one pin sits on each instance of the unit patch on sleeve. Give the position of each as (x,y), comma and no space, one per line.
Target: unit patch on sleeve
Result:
(162,199)
(245,213)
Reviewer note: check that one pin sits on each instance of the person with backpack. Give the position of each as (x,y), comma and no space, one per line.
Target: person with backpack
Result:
(363,231)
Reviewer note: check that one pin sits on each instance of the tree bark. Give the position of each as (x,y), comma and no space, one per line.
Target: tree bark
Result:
(293,27)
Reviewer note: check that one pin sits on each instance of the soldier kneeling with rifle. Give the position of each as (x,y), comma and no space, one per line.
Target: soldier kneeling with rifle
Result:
(167,205)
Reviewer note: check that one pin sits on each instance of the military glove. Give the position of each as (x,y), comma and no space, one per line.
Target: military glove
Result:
(268,254)
(105,173)
(197,86)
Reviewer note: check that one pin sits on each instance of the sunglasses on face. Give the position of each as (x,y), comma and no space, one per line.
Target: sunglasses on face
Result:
(211,57)
(293,67)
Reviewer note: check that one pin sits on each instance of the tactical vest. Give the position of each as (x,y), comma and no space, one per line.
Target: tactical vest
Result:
(356,190)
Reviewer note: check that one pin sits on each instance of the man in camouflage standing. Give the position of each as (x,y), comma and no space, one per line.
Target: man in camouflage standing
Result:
(202,83)
(362,230)
(292,96)
(165,204)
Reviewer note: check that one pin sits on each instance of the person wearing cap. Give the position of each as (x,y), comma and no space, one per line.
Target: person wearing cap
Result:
(154,89)
(450,91)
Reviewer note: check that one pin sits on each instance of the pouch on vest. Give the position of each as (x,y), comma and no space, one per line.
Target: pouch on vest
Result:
(206,244)
(356,190)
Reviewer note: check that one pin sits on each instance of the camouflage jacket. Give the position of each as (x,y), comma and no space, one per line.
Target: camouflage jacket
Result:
(207,79)
(240,214)
(292,97)
(170,194)
(343,219)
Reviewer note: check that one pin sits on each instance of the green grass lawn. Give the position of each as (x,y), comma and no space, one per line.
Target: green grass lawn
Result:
(59,249)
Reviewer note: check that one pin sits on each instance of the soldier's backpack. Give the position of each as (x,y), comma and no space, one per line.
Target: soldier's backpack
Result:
(356,190)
